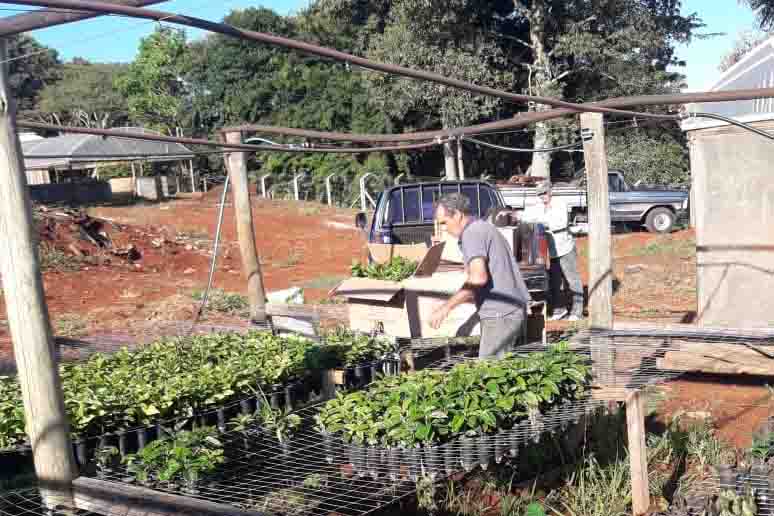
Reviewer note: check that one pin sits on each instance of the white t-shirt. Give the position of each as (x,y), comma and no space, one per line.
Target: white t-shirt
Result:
(557,222)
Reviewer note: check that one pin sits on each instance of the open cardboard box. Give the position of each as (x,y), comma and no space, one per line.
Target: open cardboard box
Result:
(403,309)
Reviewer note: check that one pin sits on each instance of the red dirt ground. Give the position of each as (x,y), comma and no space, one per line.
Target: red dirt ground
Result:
(308,245)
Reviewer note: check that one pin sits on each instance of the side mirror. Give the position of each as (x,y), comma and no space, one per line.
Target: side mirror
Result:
(361,221)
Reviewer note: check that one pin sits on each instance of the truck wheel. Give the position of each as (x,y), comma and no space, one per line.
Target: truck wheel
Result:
(660,220)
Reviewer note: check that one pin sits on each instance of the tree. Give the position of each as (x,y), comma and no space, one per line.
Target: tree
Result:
(764,12)
(649,156)
(32,67)
(85,96)
(152,84)
(591,50)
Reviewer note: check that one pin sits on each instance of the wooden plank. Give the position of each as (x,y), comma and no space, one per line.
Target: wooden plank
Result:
(600,240)
(28,318)
(118,499)
(638,455)
(251,266)
(714,363)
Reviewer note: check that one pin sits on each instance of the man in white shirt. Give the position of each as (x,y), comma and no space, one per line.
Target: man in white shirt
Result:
(561,247)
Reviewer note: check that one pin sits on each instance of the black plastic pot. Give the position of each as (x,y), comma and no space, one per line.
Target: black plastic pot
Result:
(81,452)
(122,448)
(289,397)
(468,454)
(414,463)
(485,451)
(373,461)
(276,397)
(500,447)
(221,414)
(328,447)
(245,407)
(142,438)
(375,370)
(394,459)
(449,457)
(433,462)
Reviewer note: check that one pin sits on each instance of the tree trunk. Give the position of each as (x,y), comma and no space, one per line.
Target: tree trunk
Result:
(540,84)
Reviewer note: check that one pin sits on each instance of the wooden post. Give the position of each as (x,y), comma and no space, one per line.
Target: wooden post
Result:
(28,318)
(193,176)
(638,456)
(237,169)
(450,160)
(600,240)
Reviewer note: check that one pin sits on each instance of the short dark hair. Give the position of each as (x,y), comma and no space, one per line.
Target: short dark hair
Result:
(454,203)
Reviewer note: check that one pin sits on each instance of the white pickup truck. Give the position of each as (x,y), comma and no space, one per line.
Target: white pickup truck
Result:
(657,209)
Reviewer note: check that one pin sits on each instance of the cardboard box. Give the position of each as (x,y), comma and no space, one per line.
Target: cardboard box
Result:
(403,309)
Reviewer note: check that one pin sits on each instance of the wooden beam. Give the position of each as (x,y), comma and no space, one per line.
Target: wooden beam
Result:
(600,239)
(638,456)
(251,266)
(28,319)
(118,499)
(42,18)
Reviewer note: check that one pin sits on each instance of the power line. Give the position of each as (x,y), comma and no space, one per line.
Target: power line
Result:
(309,48)
(514,149)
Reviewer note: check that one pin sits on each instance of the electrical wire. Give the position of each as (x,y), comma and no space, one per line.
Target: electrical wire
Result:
(515,149)
(731,121)
(228,30)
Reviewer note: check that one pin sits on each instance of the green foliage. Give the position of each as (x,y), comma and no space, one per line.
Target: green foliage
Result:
(657,159)
(30,74)
(180,458)
(764,12)
(152,84)
(596,490)
(397,269)
(731,503)
(346,348)
(115,170)
(54,259)
(477,398)
(175,378)
(85,96)
(224,302)
(282,422)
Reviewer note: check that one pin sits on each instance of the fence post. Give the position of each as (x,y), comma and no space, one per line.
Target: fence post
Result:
(28,318)
(296,177)
(237,168)
(193,176)
(263,184)
(328,188)
(363,193)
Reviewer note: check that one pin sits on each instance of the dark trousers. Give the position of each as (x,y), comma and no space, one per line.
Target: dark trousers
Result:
(565,270)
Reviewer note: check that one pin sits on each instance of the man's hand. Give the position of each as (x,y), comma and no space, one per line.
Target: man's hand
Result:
(439,315)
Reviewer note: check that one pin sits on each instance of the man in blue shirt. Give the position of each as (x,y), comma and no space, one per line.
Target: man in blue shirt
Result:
(493,280)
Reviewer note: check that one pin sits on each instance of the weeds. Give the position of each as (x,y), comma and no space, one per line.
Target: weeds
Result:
(685,248)
(53,259)
(71,325)
(224,302)
(594,490)
(309,211)
(293,259)
(703,445)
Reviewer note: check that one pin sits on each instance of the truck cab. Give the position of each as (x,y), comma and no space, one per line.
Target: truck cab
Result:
(404,214)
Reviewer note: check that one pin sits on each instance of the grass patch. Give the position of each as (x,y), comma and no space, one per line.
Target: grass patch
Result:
(310,210)
(53,259)
(71,325)
(324,282)
(668,245)
(293,259)
(224,302)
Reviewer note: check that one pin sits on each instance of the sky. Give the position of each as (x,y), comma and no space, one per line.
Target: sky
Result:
(115,39)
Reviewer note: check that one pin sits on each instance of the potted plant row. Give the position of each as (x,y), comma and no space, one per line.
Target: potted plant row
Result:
(127,397)
(475,413)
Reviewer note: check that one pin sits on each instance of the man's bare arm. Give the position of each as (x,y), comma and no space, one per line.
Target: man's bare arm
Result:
(476,277)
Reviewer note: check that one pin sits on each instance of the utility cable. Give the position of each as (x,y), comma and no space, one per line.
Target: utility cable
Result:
(309,48)
(515,149)
(728,120)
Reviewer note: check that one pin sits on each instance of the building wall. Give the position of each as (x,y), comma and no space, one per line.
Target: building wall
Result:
(733,189)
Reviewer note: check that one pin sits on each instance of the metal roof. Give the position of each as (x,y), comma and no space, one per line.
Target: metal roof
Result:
(754,70)
(84,150)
